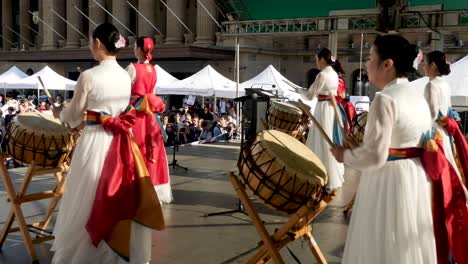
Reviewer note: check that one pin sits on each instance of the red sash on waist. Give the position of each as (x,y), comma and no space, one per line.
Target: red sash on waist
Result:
(322,97)
(125,192)
(450,211)
(461,147)
(404,153)
(149,104)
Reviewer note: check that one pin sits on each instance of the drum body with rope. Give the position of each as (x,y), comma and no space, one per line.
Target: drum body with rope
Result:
(357,129)
(39,138)
(281,171)
(284,117)
(304,124)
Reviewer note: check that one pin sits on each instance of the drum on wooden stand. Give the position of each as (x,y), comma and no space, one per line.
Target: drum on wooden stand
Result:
(304,124)
(40,138)
(285,175)
(284,117)
(357,129)
(282,172)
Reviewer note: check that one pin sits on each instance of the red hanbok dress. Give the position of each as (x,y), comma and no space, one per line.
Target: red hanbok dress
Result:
(147,132)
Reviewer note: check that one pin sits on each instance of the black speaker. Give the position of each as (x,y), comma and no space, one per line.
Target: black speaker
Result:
(254,108)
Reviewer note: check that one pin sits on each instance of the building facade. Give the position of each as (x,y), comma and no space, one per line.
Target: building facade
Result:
(193,33)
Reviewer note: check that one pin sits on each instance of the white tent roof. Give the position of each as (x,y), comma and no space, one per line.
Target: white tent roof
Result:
(266,79)
(457,79)
(51,79)
(163,78)
(12,75)
(206,82)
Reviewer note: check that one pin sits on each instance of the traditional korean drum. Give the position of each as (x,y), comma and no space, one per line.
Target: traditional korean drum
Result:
(284,117)
(305,122)
(281,171)
(357,129)
(40,138)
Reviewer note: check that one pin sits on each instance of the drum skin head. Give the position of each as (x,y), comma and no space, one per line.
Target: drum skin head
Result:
(287,107)
(41,123)
(295,156)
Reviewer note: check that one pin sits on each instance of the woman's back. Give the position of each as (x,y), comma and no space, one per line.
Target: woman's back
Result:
(412,116)
(110,92)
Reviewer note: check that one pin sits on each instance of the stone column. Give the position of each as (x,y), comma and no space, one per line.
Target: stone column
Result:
(96,14)
(48,36)
(73,17)
(174,29)
(206,27)
(437,42)
(147,8)
(120,10)
(25,19)
(7,20)
(333,43)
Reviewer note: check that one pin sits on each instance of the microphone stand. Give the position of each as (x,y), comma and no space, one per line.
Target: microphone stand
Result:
(174,163)
(240,207)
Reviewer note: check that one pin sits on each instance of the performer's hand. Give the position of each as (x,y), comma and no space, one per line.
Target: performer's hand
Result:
(337,151)
(56,111)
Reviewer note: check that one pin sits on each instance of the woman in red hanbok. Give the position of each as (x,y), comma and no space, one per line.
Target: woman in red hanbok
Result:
(147,132)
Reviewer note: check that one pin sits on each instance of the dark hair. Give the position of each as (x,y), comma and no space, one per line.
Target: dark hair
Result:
(438,58)
(399,50)
(140,42)
(338,67)
(326,55)
(108,35)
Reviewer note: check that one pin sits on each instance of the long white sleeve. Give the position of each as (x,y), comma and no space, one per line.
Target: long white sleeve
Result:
(432,93)
(373,152)
(315,87)
(131,71)
(72,114)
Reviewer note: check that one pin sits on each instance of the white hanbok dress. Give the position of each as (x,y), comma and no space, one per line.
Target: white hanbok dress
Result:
(326,83)
(438,98)
(392,216)
(105,88)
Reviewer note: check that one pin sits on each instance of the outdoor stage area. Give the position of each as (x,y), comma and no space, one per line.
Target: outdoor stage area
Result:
(189,236)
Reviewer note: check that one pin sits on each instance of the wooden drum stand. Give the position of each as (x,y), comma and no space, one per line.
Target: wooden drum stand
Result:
(296,227)
(20,197)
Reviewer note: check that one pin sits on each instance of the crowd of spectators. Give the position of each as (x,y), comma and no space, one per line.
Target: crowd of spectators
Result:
(196,122)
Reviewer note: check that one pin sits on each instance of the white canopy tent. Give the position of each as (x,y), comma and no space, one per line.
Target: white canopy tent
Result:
(12,75)
(457,79)
(163,78)
(271,79)
(206,82)
(51,79)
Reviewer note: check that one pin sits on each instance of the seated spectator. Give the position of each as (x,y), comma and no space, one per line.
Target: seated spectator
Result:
(43,106)
(206,115)
(209,132)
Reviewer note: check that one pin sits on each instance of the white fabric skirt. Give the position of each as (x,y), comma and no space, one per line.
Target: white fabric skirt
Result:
(325,115)
(392,217)
(72,243)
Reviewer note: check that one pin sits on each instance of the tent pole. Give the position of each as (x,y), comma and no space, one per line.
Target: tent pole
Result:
(238,111)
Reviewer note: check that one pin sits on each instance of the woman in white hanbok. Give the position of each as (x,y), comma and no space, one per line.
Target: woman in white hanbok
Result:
(392,216)
(437,94)
(324,86)
(105,87)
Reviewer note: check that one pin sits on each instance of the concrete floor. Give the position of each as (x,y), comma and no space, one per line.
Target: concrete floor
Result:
(190,237)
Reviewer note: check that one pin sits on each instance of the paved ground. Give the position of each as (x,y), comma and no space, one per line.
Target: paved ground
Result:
(190,237)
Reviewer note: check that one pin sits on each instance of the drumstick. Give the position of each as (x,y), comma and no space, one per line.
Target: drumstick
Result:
(46,91)
(316,123)
(338,117)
